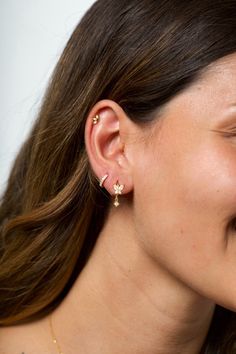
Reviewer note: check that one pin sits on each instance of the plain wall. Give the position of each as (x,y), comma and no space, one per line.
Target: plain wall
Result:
(33,34)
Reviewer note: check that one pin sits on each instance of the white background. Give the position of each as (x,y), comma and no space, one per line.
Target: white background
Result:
(33,34)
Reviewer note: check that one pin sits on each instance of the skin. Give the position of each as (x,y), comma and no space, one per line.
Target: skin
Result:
(166,255)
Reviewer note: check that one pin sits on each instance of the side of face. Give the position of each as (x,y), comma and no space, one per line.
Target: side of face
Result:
(185,186)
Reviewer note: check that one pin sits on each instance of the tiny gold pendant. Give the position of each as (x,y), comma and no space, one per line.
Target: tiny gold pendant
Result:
(118,190)
(116,202)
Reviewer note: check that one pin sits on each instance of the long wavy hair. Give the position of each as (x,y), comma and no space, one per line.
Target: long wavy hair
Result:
(139,53)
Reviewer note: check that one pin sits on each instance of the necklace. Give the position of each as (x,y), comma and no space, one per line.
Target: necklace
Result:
(54,337)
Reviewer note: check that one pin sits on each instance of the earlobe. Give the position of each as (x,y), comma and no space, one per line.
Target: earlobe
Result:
(117,187)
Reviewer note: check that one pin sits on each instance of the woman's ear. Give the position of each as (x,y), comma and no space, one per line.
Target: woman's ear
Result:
(106,143)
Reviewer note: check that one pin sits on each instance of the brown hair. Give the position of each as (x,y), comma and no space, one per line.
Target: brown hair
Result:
(139,53)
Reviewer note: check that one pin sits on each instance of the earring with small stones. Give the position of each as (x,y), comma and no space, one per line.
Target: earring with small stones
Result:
(96,119)
(117,187)
(118,190)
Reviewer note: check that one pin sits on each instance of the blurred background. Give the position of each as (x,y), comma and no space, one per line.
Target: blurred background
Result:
(33,34)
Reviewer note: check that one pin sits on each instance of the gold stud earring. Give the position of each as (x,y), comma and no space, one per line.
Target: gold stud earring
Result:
(118,190)
(96,119)
(101,181)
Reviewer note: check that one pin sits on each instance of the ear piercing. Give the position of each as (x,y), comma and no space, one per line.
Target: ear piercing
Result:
(118,190)
(102,180)
(96,119)
(117,187)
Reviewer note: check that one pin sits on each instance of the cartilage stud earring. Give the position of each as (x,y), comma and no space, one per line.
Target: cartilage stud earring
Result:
(96,119)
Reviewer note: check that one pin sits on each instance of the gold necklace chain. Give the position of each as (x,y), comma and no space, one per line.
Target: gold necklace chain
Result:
(54,337)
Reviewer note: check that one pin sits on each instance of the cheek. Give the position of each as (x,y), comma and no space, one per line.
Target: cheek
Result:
(207,179)
(183,205)
(189,181)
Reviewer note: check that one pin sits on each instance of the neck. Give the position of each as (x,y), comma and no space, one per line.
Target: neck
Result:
(123,301)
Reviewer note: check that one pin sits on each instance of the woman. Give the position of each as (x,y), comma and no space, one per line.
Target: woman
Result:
(117,223)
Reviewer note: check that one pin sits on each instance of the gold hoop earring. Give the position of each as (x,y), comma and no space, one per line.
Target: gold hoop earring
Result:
(96,119)
(118,190)
(101,181)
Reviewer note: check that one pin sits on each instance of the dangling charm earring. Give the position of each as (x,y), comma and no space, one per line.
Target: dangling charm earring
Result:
(118,188)
(102,180)
(96,119)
